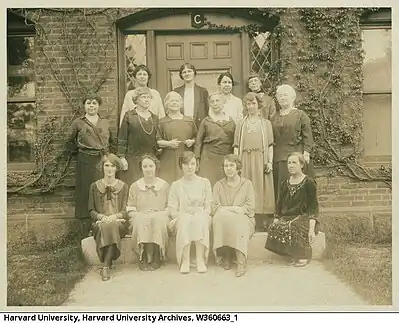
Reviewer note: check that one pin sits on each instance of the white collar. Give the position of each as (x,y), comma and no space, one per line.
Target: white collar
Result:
(159,183)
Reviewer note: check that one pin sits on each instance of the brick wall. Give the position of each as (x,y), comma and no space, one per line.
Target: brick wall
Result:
(333,193)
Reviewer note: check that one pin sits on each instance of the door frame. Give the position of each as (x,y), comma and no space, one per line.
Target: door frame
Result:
(157,20)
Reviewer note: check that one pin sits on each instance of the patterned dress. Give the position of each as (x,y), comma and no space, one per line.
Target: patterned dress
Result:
(296,205)
(150,219)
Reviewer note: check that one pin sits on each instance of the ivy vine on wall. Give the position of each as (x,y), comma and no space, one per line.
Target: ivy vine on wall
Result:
(320,55)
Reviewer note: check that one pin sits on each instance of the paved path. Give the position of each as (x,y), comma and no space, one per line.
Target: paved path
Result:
(266,286)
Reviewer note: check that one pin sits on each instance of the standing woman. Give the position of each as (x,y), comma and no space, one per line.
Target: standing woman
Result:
(233,220)
(292,133)
(232,104)
(195,97)
(176,134)
(268,109)
(189,204)
(137,135)
(253,141)
(90,137)
(142,75)
(295,226)
(146,206)
(107,208)
(215,140)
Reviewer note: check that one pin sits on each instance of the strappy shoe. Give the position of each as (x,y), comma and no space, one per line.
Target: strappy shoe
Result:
(226,263)
(240,271)
(105,274)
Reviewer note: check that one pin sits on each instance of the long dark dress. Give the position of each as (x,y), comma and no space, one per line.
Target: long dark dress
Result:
(214,140)
(296,205)
(180,129)
(90,142)
(292,133)
(137,136)
(108,200)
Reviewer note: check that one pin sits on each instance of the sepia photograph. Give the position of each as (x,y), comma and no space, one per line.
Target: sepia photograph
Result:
(199,158)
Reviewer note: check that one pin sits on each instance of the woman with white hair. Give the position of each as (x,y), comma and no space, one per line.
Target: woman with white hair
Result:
(142,75)
(292,133)
(137,135)
(176,134)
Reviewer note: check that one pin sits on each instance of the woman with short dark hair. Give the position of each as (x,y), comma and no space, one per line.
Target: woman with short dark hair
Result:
(195,97)
(142,75)
(232,105)
(190,205)
(147,208)
(233,208)
(90,137)
(107,208)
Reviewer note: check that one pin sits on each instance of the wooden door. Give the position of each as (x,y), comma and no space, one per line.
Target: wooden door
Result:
(210,53)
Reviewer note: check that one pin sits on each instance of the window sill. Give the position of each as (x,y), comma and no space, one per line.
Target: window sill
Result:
(20,167)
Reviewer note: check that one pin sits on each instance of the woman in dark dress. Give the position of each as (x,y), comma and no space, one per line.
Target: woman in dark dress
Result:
(107,207)
(295,226)
(292,133)
(137,135)
(215,140)
(176,134)
(195,97)
(90,137)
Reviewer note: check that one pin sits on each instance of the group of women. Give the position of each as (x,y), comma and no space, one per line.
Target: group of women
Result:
(200,165)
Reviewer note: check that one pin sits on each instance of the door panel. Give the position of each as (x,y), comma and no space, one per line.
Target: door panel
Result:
(211,54)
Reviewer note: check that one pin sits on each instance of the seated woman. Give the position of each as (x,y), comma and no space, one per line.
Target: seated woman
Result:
(107,208)
(295,226)
(190,207)
(233,221)
(146,206)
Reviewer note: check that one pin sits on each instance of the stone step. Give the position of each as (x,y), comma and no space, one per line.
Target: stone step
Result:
(256,250)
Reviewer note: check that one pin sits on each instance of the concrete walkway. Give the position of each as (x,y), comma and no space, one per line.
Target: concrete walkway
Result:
(268,285)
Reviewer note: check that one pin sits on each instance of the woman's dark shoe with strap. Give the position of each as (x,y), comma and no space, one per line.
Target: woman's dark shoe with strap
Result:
(226,263)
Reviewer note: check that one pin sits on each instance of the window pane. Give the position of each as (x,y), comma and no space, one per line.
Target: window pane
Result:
(20,132)
(135,54)
(378,60)
(261,57)
(20,68)
(377,125)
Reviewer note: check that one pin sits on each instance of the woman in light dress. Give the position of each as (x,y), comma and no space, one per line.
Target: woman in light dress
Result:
(233,208)
(254,146)
(189,204)
(232,105)
(147,208)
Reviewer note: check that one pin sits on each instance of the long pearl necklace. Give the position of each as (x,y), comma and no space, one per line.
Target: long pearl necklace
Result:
(142,127)
(252,125)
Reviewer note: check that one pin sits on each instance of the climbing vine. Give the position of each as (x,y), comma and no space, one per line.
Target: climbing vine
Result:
(320,55)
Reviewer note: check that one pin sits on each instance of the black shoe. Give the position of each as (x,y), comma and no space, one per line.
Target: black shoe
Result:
(143,265)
